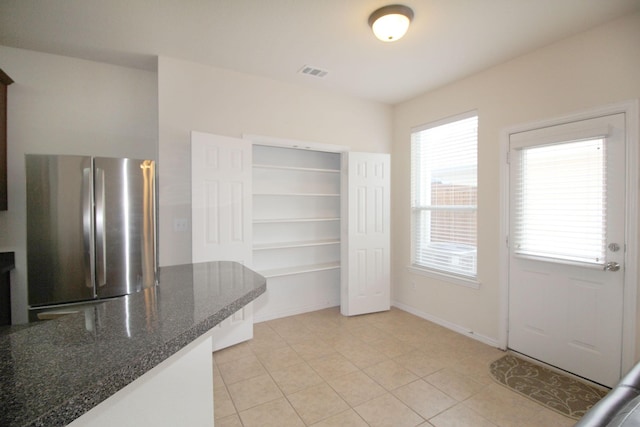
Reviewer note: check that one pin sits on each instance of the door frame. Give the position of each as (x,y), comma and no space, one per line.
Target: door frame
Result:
(631,109)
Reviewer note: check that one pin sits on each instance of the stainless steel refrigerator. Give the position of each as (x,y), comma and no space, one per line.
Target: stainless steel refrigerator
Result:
(91,228)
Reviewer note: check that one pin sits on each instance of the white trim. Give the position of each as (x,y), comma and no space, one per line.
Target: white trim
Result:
(631,109)
(293,143)
(456,280)
(582,134)
(257,318)
(503,250)
(445,120)
(446,324)
(629,328)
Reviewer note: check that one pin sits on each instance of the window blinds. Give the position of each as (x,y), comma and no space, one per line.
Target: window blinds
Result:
(560,201)
(444,196)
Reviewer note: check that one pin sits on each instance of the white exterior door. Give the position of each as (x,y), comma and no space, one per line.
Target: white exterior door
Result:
(365,238)
(567,246)
(221,216)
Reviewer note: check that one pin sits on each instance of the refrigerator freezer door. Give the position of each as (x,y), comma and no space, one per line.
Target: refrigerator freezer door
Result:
(59,230)
(125,225)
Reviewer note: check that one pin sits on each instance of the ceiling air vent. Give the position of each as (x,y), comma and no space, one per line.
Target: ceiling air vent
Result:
(313,71)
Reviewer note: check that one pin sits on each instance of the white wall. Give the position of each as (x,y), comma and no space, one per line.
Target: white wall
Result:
(198,97)
(64,105)
(595,68)
(60,105)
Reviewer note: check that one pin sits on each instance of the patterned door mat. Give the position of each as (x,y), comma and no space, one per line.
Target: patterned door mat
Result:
(554,390)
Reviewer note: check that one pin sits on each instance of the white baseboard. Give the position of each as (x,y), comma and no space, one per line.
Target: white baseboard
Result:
(258,318)
(444,323)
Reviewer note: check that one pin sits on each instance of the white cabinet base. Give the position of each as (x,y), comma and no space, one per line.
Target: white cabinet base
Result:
(179,391)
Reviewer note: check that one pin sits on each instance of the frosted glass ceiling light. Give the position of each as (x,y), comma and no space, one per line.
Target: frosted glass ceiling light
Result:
(390,23)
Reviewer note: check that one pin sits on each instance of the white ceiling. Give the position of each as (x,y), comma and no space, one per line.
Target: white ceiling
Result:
(448,39)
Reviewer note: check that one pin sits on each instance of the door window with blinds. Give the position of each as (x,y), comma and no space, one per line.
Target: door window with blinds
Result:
(560,202)
(444,189)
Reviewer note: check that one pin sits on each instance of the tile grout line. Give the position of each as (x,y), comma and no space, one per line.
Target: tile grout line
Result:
(312,327)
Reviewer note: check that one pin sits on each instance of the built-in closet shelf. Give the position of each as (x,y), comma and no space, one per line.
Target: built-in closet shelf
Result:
(294,168)
(298,194)
(301,269)
(296,226)
(290,220)
(286,245)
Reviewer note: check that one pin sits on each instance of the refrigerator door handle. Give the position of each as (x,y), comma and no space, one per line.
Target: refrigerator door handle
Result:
(101,244)
(87,223)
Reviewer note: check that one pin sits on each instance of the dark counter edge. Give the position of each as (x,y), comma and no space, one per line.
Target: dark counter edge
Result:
(109,385)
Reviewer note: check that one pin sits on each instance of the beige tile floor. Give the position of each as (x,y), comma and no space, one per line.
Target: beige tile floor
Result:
(383,369)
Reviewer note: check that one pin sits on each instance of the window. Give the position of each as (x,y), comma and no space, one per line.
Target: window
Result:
(444,196)
(560,203)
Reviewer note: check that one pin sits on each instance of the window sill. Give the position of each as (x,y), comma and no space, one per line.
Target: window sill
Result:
(456,280)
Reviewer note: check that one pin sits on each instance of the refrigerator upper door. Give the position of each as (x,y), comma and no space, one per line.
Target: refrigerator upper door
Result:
(124,225)
(59,230)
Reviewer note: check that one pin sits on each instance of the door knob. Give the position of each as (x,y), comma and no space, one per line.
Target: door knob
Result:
(611,266)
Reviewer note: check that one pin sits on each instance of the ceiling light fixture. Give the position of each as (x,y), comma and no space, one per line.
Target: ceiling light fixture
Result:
(390,23)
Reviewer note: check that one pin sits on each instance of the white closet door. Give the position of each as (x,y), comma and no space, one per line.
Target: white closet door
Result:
(365,239)
(221,216)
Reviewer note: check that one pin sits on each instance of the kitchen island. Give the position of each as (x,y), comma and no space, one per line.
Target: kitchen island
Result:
(112,353)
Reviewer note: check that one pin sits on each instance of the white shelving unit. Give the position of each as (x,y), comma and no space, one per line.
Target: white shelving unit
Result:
(312,218)
(296,228)
(292,220)
(300,269)
(283,245)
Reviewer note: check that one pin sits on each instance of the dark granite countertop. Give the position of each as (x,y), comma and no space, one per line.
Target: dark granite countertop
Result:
(6,262)
(55,371)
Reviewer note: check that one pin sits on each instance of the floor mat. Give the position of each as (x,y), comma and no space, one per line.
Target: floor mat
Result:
(554,390)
